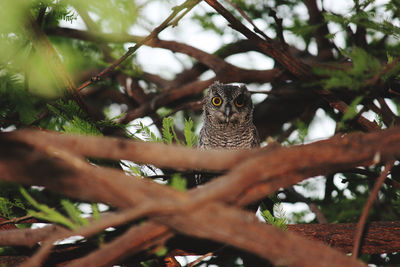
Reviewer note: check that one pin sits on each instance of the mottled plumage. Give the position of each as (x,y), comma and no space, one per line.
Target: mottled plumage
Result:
(229,124)
(228,121)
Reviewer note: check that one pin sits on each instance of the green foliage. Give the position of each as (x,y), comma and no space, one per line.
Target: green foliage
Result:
(75,53)
(366,19)
(302,129)
(12,203)
(344,209)
(278,221)
(168,131)
(190,136)
(147,133)
(74,213)
(161,252)
(48,214)
(57,11)
(7,207)
(14,98)
(95,211)
(351,112)
(71,119)
(394,72)
(169,135)
(178,182)
(364,67)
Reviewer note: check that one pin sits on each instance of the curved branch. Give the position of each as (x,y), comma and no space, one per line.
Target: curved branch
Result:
(201,211)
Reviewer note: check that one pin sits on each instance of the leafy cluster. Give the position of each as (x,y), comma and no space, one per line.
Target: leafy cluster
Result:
(73,221)
(364,67)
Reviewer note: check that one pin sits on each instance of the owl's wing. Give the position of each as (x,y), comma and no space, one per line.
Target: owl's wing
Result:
(256,138)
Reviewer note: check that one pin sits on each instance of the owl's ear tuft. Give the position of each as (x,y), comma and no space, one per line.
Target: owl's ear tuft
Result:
(214,86)
(244,88)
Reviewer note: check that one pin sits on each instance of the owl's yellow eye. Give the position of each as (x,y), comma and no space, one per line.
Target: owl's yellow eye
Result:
(216,101)
(239,101)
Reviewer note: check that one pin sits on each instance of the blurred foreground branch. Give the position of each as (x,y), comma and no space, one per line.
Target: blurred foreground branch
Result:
(56,161)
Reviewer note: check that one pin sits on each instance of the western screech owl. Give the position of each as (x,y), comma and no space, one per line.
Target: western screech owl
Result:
(228,118)
(228,121)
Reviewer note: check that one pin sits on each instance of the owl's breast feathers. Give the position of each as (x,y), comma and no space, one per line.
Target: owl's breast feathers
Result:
(229,137)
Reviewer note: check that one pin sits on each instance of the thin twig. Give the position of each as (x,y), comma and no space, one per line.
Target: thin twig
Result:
(279,26)
(367,207)
(23,219)
(193,263)
(244,15)
(393,92)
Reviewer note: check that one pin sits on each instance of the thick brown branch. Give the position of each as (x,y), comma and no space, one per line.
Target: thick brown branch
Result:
(133,192)
(28,237)
(246,232)
(379,238)
(135,239)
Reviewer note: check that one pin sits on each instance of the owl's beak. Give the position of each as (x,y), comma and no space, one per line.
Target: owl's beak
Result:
(228,113)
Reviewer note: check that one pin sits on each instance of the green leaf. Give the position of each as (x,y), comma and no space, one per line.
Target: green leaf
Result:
(71,119)
(168,131)
(74,213)
(351,111)
(46,213)
(5,208)
(161,252)
(148,134)
(178,182)
(95,211)
(80,126)
(167,123)
(280,221)
(190,136)
(365,66)
(14,96)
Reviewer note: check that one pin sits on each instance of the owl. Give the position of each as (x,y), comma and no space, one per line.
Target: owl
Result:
(228,121)
(228,118)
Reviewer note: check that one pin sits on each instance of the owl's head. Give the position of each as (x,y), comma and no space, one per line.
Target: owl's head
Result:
(228,104)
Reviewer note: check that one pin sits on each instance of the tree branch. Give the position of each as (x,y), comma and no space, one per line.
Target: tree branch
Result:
(379,237)
(367,207)
(78,179)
